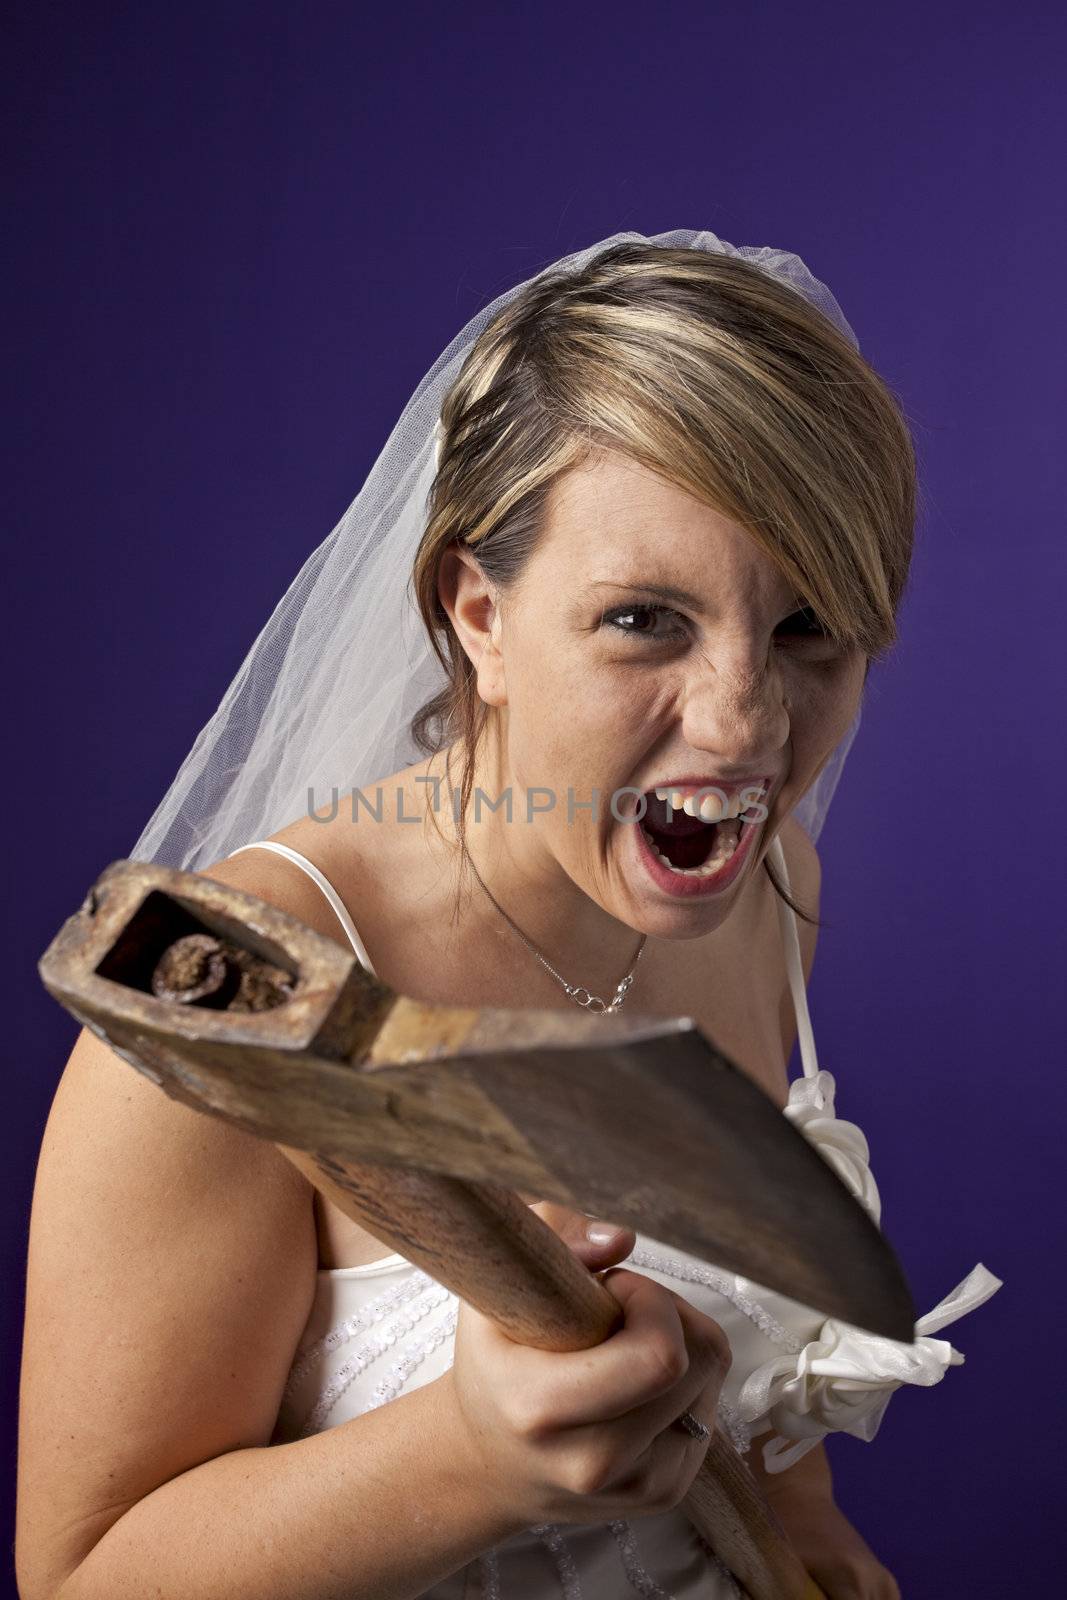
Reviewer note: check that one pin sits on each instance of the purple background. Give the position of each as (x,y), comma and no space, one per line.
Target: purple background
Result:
(240,234)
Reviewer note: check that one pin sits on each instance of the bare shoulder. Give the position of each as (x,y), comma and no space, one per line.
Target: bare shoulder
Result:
(281,881)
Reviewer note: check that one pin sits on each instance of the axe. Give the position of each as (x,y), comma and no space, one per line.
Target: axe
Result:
(421,1122)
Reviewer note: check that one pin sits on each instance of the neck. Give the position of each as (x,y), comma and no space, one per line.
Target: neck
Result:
(517,864)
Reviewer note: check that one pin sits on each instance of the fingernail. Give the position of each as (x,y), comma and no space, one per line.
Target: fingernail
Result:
(601,1232)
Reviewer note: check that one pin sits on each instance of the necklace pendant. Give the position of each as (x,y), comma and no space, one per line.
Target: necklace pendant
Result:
(592,1002)
(576,991)
(621,992)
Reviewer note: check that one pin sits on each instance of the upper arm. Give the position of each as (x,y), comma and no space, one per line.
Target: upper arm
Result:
(805,882)
(170,1273)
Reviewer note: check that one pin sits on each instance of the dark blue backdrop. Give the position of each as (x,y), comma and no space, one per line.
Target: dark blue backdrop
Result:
(239,234)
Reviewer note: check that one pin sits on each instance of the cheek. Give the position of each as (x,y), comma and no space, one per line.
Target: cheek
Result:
(822,706)
(586,730)
(571,684)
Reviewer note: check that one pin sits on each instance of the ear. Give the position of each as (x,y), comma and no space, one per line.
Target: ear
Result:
(472,603)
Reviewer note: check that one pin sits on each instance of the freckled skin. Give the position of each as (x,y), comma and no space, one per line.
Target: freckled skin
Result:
(726,687)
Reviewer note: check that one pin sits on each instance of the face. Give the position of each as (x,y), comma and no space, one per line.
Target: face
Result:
(650,644)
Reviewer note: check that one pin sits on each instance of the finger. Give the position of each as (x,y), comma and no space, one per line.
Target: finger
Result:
(643,1358)
(698,1392)
(598,1244)
(648,1439)
(704,1334)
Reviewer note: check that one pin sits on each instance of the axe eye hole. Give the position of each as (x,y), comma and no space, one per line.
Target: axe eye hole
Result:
(160,921)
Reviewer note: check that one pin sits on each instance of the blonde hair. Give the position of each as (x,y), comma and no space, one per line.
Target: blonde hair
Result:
(713,374)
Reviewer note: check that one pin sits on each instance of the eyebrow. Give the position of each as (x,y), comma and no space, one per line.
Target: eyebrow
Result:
(662,591)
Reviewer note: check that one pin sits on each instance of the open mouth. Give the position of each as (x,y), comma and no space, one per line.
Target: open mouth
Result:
(687,844)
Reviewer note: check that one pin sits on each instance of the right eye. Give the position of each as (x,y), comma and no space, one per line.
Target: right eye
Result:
(618,620)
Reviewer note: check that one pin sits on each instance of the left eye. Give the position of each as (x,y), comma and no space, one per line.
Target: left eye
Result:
(645,617)
(805,624)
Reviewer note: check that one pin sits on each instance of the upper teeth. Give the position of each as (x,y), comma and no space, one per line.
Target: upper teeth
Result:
(710,808)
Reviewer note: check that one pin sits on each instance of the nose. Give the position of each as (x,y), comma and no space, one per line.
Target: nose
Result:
(738,715)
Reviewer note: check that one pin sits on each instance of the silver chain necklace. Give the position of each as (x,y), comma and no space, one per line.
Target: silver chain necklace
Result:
(580,995)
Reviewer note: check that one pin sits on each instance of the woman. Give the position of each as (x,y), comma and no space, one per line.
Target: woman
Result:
(658,513)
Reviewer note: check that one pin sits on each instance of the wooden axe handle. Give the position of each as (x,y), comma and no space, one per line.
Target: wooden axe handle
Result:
(486,1245)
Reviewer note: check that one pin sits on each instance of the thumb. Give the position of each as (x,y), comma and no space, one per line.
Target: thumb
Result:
(596,1243)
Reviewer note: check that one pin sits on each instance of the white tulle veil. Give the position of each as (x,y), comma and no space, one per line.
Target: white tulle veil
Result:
(325,696)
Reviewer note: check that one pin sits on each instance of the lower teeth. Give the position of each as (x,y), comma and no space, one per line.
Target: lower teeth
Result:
(727,838)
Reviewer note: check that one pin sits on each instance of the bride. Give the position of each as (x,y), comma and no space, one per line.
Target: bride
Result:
(553,717)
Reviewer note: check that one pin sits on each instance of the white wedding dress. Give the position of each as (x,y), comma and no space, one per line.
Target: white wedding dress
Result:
(377,1330)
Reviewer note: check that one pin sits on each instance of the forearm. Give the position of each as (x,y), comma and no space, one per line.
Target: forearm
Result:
(378,1508)
(808,1479)
(833,1552)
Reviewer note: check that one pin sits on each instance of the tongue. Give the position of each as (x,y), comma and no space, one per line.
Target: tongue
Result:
(689,849)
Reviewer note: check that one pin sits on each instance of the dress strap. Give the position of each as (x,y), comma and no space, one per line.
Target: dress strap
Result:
(324,884)
(787,921)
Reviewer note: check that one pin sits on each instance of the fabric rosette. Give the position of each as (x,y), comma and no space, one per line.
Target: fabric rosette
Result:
(842,1380)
